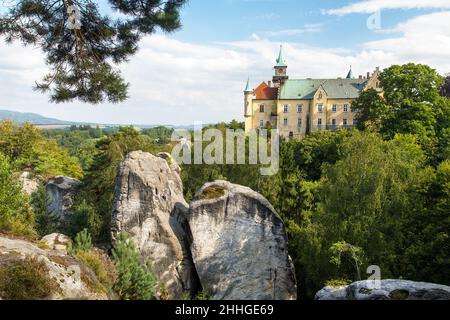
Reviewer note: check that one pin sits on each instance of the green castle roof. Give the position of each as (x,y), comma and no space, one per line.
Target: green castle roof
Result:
(305,89)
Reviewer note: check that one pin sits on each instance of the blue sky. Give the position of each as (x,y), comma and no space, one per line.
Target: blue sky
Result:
(197,74)
(231,20)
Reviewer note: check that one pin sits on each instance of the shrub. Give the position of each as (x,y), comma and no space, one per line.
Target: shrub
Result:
(31,280)
(16,215)
(100,265)
(135,278)
(202,296)
(82,243)
(84,217)
(47,222)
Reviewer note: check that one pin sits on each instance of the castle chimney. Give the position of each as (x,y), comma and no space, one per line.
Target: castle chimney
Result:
(368,75)
(360,76)
(270,84)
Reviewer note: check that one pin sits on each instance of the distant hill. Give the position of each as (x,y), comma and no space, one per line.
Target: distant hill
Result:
(45,122)
(33,118)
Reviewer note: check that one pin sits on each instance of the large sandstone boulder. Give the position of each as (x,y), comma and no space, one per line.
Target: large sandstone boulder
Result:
(386,290)
(68,278)
(239,245)
(62,191)
(150,207)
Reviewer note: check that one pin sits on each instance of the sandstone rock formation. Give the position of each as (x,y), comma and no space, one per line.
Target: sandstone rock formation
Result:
(239,245)
(386,290)
(149,205)
(62,191)
(57,241)
(70,278)
(30,183)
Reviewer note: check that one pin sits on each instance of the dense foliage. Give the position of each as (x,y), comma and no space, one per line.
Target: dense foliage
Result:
(47,222)
(28,149)
(16,215)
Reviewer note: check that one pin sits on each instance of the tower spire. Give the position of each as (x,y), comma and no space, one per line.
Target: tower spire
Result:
(280,61)
(350,73)
(247,87)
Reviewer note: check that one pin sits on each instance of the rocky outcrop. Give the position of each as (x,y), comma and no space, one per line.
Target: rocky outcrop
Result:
(239,245)
(386,290)
(57,241)
(30,183)
(150,207)
(62,191)
(68,278)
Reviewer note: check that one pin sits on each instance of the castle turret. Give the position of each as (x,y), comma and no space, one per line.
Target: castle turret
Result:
(248,106)
(280,70)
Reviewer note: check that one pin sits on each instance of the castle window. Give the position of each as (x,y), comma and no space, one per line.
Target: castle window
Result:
(299,122)
(261,123)
(320,108)
(286,108)
(285,122)
(319,122)
(261,108)
(333,122)
(346,107)
(299,108)
(355,122)
(345,122)
(334,108)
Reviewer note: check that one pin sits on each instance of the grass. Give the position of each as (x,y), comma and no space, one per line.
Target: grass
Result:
(213,192)
(31,280)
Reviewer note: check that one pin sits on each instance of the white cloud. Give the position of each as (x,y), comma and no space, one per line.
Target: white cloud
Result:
(309,28)
(424,39)
(178,82)
(370,6)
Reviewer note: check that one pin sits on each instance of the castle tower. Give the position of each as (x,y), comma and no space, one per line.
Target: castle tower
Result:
(280,70)
(248,107)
